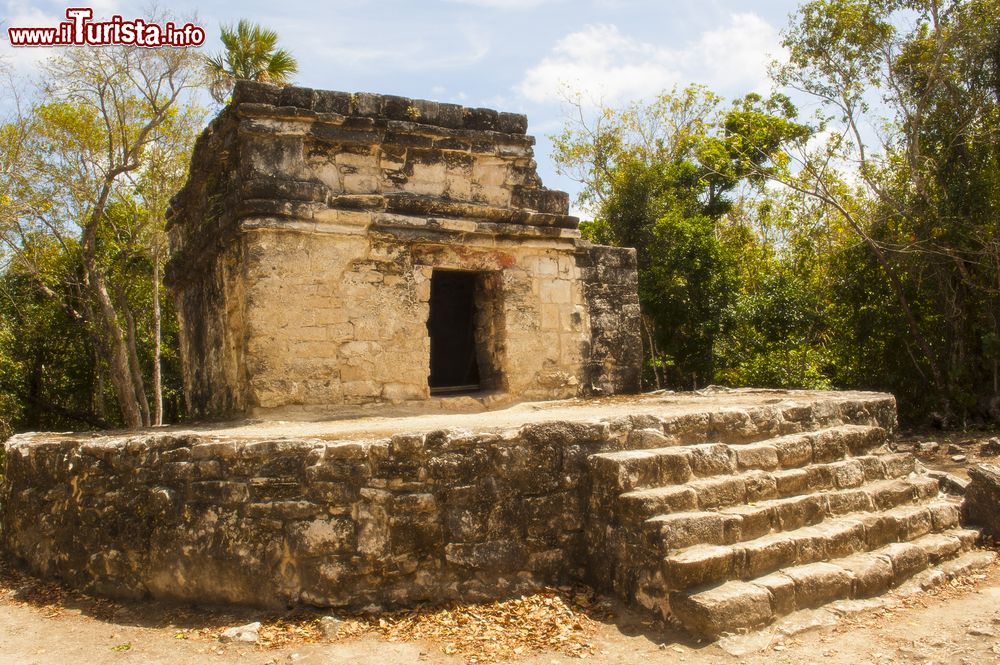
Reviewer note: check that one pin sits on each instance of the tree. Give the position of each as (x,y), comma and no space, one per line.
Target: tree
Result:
(661,177)
(82,149)
(777,326)
(909,100)
(47,373)
(250,53)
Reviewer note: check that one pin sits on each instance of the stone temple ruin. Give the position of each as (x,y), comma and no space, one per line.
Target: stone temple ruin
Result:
(382,255)
(332,250)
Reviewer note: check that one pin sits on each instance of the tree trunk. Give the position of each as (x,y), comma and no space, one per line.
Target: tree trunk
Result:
(157,380)
(651,343)
(133,357)
(98,401)
(106,318)
(118,362)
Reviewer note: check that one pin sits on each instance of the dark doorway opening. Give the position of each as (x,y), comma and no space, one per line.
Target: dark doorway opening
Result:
(452,325)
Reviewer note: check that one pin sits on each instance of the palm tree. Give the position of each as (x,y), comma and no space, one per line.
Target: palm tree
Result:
(250,53)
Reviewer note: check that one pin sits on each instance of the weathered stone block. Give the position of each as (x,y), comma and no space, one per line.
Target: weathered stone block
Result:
(782,590)
(818,583)
(944,515)
(982,496)
(848,473)
(848,501)
(698,565)
(642,504)
(757,456)
(729,608)
(327,101)
(279,511)
(274,489)
(872,574)
(755,520)
(322,536)
(792,481)
(218,492)
(760,486)
(710,460)
(799,511)
(687,529)
(890,494)
(898,465)
(766,554)
(828,446)
(912,521)
(906,559)
(794,451)
(724,491)
(939,546)
(493,556)
(879,529)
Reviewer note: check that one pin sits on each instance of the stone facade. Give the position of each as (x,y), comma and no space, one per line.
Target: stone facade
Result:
(305,243)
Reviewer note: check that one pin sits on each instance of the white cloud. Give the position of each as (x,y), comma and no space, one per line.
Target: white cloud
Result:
(24,59)
(738,54)
(603,63)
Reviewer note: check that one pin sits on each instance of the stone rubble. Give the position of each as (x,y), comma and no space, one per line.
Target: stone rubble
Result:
(982,498)
(991,447)
(248,633)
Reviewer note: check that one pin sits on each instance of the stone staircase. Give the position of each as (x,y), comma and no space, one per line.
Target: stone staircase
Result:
(727,537)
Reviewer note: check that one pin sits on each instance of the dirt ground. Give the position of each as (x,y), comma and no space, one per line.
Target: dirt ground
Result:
(43,623)
(953,452)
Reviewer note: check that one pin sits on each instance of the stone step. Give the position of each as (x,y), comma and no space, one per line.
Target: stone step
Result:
(727,527)
(703,564)
(737,605)
(844,481)
(626,470)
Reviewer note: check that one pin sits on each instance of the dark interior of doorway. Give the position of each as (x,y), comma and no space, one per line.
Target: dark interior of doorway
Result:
(452,328)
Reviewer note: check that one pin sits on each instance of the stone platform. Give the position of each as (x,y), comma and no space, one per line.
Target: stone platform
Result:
(724,509)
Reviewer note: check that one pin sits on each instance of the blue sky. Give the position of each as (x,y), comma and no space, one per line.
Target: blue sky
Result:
(514,55)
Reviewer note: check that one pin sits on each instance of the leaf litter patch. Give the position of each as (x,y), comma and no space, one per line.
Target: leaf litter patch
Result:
(562,620)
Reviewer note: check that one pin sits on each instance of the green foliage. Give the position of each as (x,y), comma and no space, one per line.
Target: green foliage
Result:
(250,52)
(90,160)
(919,307)
(663,177)
(836,260)
(46,367)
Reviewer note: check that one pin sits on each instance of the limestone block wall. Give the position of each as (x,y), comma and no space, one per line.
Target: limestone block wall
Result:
(303,245)
(397,520)
(351,327)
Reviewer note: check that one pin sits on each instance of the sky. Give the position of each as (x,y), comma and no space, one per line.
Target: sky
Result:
(512,55)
